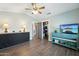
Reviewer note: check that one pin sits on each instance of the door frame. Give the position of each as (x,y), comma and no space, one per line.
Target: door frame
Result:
(42,29)
(47,27)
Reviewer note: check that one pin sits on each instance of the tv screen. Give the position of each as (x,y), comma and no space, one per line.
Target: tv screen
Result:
(69,28)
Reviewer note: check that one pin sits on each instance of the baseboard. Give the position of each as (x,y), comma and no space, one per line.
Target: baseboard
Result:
(49,40)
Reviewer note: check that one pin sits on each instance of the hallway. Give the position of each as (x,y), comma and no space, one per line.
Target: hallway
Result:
(38,47)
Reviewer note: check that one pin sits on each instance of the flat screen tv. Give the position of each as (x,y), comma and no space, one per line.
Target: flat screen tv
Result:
(69,28)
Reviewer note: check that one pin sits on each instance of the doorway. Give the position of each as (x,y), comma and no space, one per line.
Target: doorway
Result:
(41,29)
(45,30)
(38,30)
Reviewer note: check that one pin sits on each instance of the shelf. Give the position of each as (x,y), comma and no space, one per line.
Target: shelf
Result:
(66,46)
(65,39)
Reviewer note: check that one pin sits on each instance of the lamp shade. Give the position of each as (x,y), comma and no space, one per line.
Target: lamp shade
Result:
(5,25)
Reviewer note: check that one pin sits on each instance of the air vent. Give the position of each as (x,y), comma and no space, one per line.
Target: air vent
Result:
(48,13)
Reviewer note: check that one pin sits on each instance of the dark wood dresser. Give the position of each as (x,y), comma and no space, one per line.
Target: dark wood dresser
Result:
(10,39)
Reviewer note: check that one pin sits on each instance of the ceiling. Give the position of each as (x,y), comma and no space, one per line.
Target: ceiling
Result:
(50,8)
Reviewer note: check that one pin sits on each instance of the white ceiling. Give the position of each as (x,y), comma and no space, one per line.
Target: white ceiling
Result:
(54,8)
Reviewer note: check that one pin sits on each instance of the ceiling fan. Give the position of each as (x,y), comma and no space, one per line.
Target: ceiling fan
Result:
(36,8)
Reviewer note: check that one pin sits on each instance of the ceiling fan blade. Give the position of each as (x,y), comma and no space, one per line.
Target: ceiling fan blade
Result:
(42,7)
(28,9)
(40,12)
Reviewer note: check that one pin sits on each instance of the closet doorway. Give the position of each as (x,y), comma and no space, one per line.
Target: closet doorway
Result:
(42,30)
(45,30)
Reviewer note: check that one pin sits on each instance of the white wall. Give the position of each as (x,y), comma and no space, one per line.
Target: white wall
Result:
(15,20)
(64,18)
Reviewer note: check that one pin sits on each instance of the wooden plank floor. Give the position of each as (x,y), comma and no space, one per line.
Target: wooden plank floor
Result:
(38,47)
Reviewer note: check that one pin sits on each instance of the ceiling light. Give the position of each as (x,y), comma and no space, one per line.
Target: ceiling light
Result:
(35,12)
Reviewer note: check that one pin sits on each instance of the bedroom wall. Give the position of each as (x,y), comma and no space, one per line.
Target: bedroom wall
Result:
(15,20)
(64,18)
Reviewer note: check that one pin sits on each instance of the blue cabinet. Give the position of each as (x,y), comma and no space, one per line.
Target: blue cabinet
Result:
(67,40)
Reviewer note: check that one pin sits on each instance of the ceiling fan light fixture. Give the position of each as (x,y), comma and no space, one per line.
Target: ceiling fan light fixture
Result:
(36,8)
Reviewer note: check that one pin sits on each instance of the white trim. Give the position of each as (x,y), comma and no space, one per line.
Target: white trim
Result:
(42,29)
(48,29)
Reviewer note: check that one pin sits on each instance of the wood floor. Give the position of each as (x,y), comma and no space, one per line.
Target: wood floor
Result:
(38,47)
